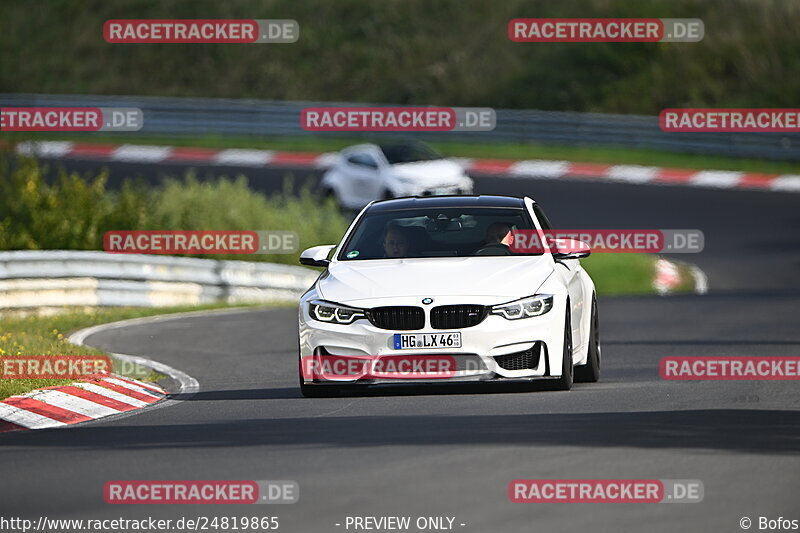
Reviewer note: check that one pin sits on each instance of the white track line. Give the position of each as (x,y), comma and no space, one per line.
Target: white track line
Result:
(187,385)
(152,388)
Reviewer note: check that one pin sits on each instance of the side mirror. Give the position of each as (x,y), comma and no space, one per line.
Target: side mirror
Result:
(570,249)
(317,256)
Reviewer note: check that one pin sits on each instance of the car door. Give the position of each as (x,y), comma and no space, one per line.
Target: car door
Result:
(362,177)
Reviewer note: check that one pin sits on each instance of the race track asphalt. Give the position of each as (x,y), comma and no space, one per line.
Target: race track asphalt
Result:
(453,452)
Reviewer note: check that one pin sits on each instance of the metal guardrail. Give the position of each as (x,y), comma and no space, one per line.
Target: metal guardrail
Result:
(86,278)
(264,118)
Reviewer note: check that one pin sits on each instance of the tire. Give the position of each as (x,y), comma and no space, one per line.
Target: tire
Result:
(590,372)
(565,381)
(387,195)
(315,391)
(319,391)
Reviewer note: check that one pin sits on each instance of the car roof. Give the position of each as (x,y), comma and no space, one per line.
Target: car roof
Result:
(424,202)
(400,142)
(360,147)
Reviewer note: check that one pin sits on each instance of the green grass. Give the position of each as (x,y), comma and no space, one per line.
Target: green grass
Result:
(616,274)
(622,274)
(22,334)
(490,150)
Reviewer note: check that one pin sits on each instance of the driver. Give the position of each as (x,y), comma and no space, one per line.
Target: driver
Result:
(499,233)
(395,242)
(498,240)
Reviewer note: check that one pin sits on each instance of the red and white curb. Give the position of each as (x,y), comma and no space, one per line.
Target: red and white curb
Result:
(543,169)
(668,277)
(98,397)
(81,401)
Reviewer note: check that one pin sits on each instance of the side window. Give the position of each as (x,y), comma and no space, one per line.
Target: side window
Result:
(543,220)
(362,160)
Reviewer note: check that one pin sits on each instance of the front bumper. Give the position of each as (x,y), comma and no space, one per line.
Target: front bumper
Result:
(495,349)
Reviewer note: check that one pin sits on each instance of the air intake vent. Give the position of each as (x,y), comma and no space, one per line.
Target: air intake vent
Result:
(527,360)
(397,317)
(457,316)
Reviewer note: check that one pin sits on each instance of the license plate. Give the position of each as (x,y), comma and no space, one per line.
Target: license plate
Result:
(415,341)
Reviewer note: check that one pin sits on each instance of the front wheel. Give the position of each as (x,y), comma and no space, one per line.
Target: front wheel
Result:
(315,391)
(590,372)
(319,391)
(565,382)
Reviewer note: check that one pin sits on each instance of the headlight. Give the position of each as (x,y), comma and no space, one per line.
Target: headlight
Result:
(333,312)
(525,307)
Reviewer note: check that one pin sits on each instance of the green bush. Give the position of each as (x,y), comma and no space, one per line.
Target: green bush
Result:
(73,212)
(189,204)
(66,214)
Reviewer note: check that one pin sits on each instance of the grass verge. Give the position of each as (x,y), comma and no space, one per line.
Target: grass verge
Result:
(618,274)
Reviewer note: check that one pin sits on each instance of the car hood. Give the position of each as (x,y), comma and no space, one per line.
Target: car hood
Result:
(440,171)
(488,279)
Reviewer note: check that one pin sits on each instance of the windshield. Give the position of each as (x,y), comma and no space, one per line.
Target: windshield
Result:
(411,152)
(435,232)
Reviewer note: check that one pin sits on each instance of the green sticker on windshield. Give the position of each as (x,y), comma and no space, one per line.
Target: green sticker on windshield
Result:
(352,254)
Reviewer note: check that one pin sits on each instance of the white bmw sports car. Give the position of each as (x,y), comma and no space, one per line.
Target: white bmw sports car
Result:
(427,290)
(368,172)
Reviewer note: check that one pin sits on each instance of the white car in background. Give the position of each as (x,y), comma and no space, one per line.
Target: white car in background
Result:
(421,278)
(368,172)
